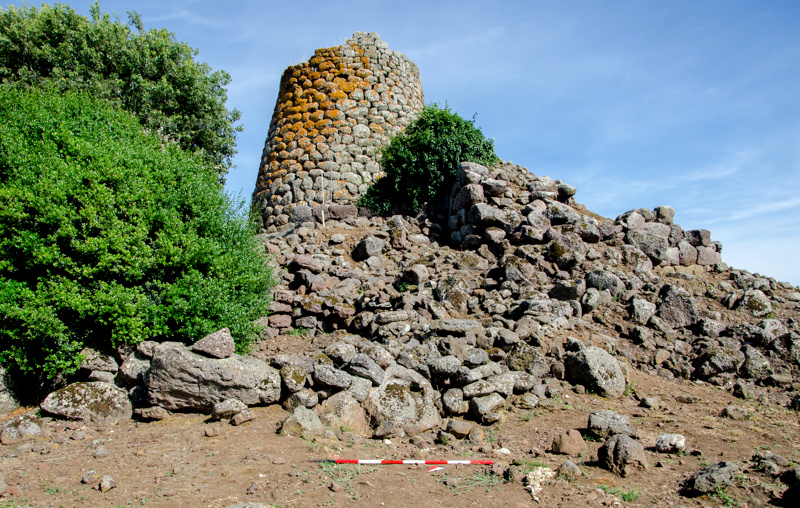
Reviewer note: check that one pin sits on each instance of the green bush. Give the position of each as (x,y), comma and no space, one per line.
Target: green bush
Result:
(419,164)
(148,73)
(110,236)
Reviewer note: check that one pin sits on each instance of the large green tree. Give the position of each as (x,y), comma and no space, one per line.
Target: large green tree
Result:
(146,72)
(110,235)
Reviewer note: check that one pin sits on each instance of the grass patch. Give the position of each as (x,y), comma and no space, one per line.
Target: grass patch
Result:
(724,497)
(624,495)
(529,465)
(345,475)
(478,480)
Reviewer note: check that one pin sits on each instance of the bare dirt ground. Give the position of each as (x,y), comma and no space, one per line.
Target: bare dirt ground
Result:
(187,460)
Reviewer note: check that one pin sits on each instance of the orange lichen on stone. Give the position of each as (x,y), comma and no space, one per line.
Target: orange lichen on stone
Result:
(324,66)
(338,95)
(333,114)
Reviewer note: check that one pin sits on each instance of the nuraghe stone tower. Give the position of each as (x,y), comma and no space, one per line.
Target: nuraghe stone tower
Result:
(332,115)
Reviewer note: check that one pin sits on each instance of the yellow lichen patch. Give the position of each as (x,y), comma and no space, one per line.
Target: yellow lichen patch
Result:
(317,115)
(327,105)
(296,117)
(324,66)
(296,126)
(296,73)
(302,132)
(348,86)
(322,124)
(308,125)
(312,133)
(328,131)
(363,73)
(307,83)
(289,136)
(333,114)
(375,127)
(338,95)
(314,75)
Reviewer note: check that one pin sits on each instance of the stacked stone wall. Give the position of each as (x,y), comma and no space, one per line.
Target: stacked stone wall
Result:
(332,115)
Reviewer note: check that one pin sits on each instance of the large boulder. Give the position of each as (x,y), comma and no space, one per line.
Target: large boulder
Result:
(597,370)
(182,380)
(623,455)
(302,422)
(402,404)
(342,411)
(677,307)
(89,402)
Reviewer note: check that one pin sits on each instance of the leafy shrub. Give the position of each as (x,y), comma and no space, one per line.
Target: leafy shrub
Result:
(148,73)
(419,164)
(110,236)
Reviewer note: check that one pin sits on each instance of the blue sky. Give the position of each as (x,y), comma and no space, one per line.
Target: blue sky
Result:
(690,104)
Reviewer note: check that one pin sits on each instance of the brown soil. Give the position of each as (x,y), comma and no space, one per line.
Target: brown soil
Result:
(174,463)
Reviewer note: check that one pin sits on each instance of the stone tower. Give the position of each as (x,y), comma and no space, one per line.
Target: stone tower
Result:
(332,115)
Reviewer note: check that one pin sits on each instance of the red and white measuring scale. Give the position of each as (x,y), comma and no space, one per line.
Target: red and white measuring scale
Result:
(412,462)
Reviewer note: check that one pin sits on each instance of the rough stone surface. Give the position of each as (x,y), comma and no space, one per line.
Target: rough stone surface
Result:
(606,423)
(227,408)
(622,455)
(568,443)
(597,370)
(90,402)
(712,477)
(402,404)
(216,345)
(20,428)
(182,380)
(302,423)
(670,443)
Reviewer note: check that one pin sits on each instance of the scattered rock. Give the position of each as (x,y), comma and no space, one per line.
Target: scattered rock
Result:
(568,443)
(623,455)
(712,477)
(670,443)
(606,423)
(216,345)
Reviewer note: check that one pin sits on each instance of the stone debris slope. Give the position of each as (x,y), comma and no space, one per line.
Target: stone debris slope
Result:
(510,296)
